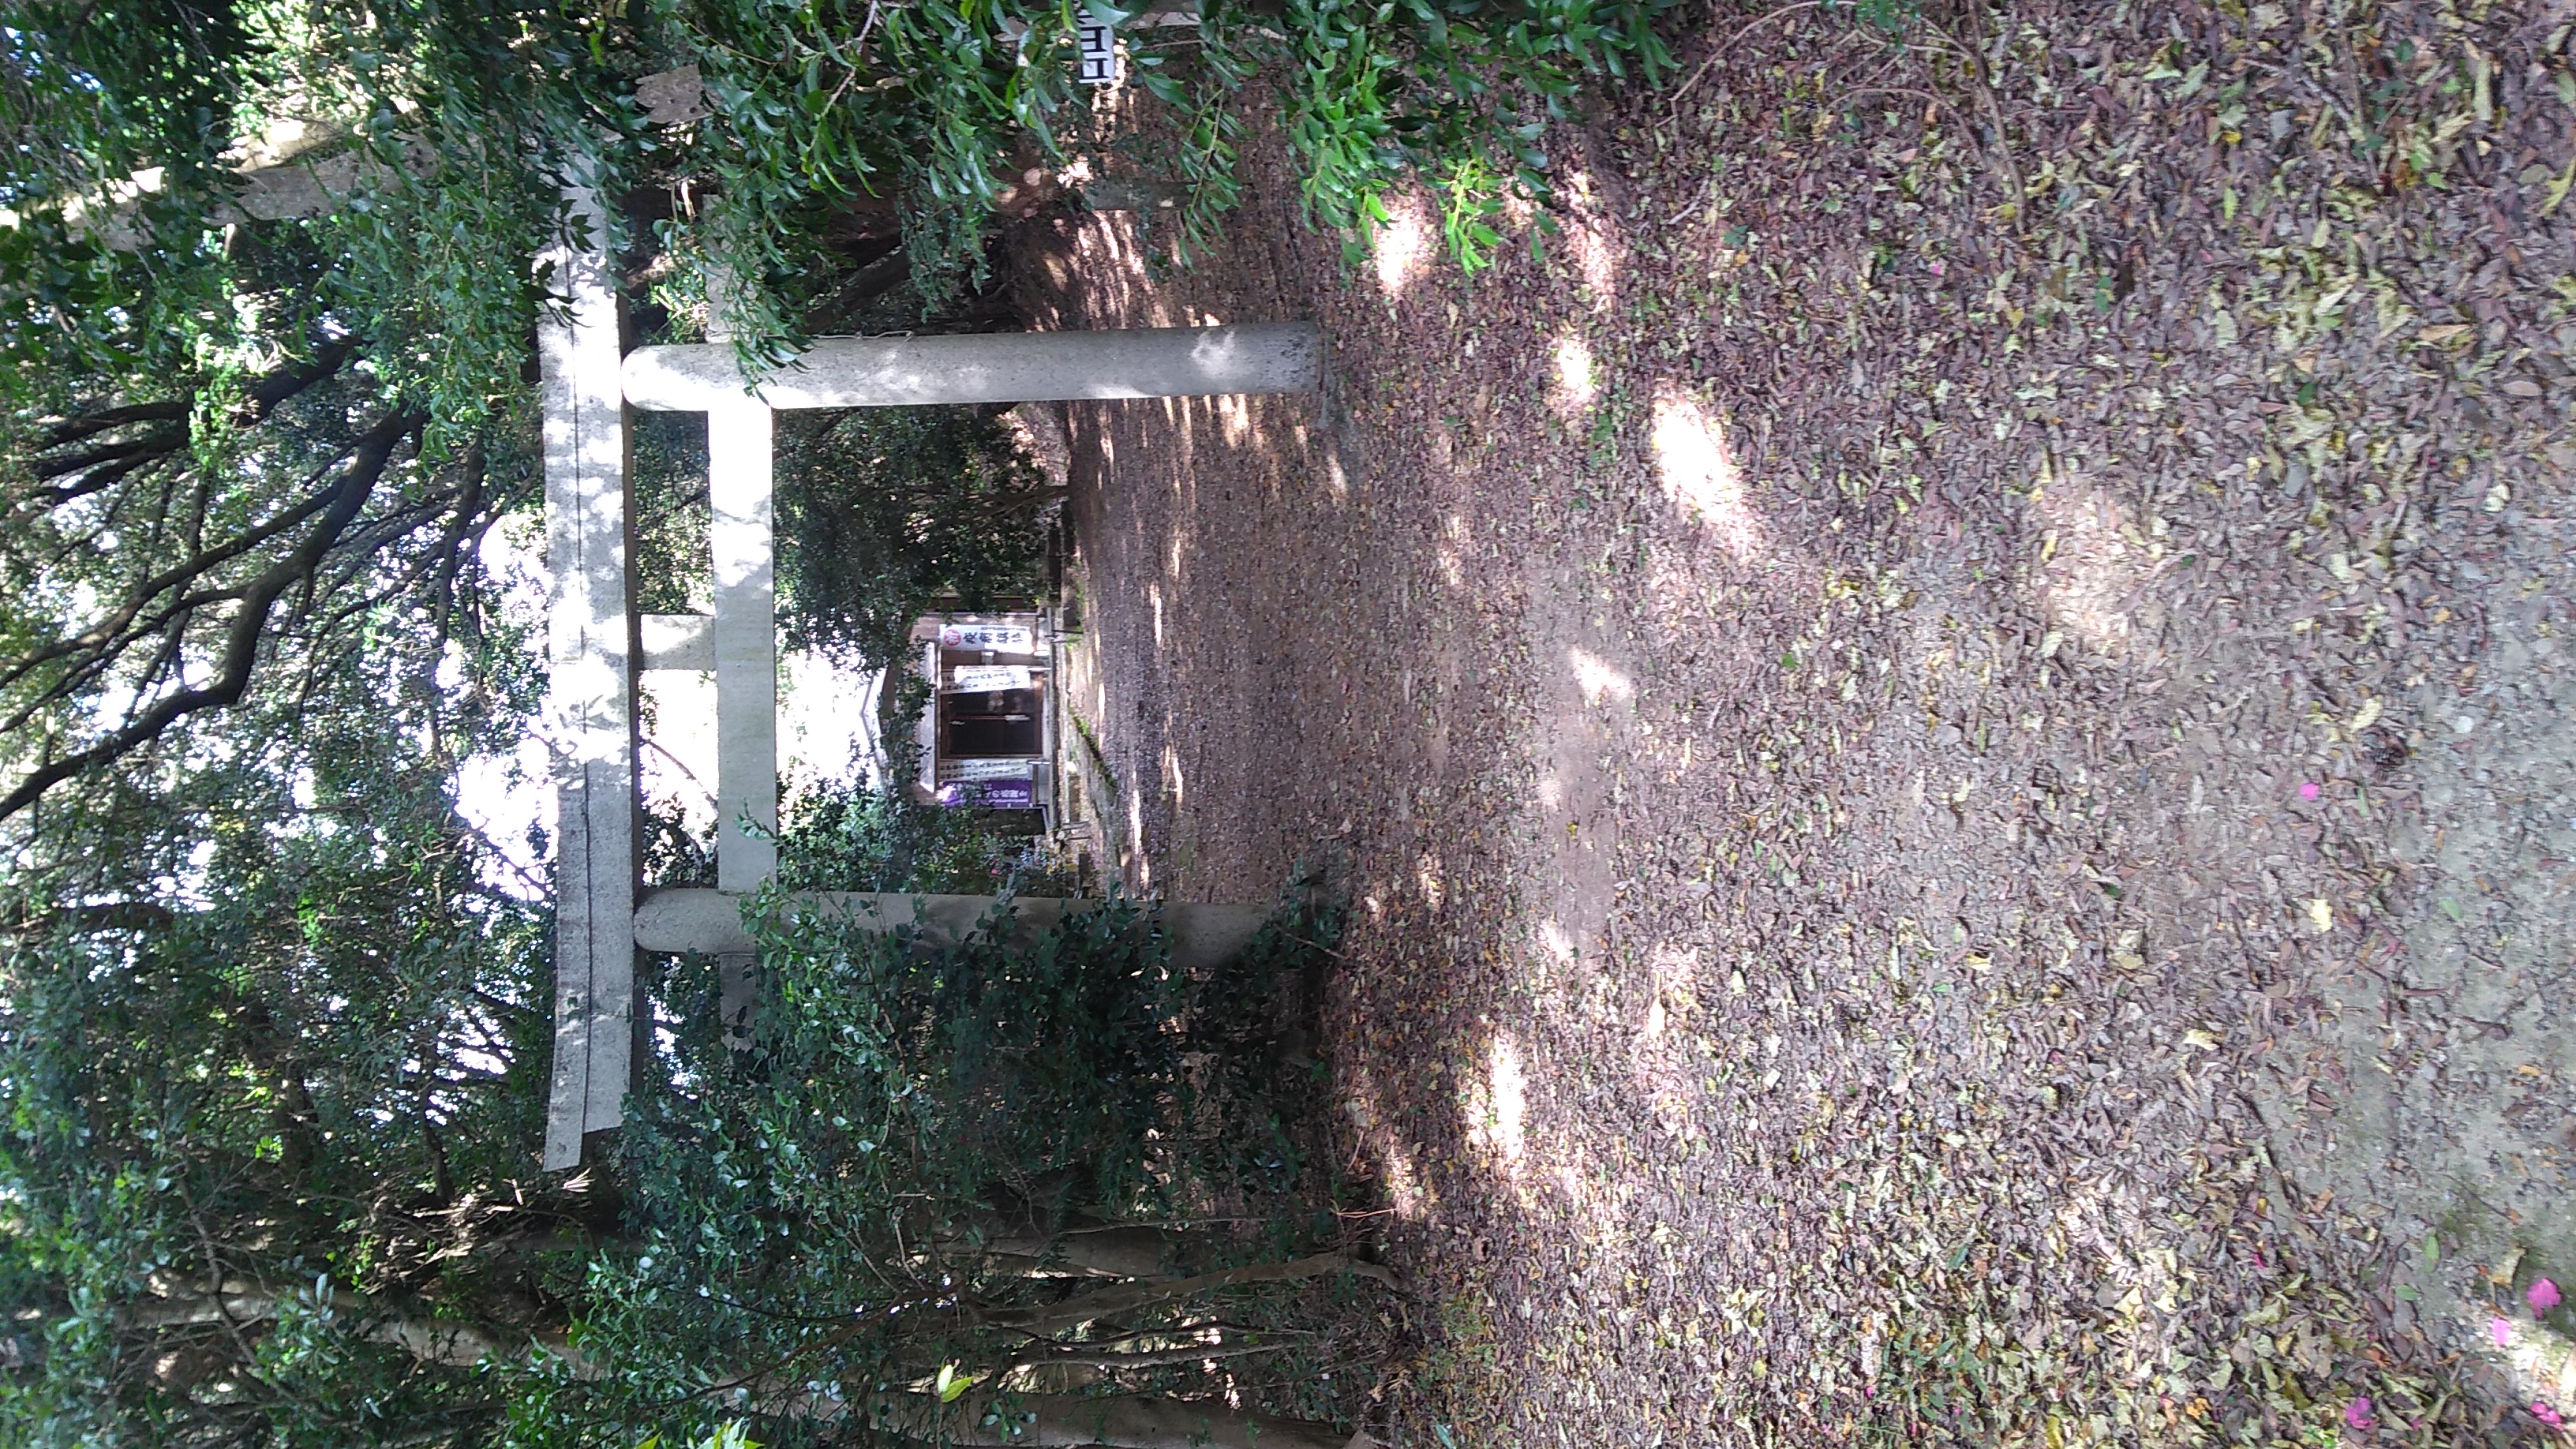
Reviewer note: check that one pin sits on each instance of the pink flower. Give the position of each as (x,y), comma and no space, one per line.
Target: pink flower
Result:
(2307,789)
(2356,1415)
(2543,1295)
(2540,1410)
(2502,1331)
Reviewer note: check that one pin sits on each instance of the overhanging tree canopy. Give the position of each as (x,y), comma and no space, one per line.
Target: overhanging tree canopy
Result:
(268,1039)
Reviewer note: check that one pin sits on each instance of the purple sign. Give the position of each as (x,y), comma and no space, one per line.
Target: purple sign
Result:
(1010,794)
(991,794)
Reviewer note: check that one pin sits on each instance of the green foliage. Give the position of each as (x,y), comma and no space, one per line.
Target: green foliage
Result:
(458,123)
(257,1022)
(1886,15)
(882,511)
(814,1204)
(674,564)
(882,514)
(826,102)
(99,89)
(1379,92)
(921,115)
(234,448)
(852,838)
(815,1219)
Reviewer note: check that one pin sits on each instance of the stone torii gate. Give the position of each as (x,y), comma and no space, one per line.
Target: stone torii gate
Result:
(597,642)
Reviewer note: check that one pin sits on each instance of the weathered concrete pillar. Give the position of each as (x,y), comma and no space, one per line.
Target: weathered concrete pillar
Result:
(589,647)
(710,922)
(745,639)
(996,367)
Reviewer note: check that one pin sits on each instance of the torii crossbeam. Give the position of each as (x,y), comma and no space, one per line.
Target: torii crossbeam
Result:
(597,641)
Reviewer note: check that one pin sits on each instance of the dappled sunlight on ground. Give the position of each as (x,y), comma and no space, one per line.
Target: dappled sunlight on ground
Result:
(1699,475)
(1235,414)
(2094,560)
(1497,1108)
(1577,388)
(1403,247)
(1834,819)
(1597,679)
(2540,1361)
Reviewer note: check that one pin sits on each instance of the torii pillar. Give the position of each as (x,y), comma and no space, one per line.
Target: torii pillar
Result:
(597,642)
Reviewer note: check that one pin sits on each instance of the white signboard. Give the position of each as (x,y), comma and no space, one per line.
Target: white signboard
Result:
(1096,51)
(982,678)
(1000,638)
(987,769)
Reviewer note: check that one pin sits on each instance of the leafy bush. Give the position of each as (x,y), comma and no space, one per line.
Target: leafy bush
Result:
(1457,95)
(258,1094)
(849,1212)
(853,838)
(931,114)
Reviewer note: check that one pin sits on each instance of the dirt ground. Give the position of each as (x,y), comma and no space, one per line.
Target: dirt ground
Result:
(1959,814)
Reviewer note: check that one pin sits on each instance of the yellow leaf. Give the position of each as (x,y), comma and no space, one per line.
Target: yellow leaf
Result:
(2321,915)
(2368,716)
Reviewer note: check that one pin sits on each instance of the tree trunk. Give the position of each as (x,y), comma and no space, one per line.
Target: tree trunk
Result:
(448,1341)
(1063,1421)
(1054,1318)
(1089,1249)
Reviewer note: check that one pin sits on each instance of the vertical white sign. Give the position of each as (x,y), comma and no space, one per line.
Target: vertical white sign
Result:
(1096,51)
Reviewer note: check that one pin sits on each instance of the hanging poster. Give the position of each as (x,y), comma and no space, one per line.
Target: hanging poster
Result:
(985,678)
(1000,638)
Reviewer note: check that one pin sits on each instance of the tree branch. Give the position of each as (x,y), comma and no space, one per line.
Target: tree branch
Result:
(89,469)
(89,425)
(250,621)
(104,637)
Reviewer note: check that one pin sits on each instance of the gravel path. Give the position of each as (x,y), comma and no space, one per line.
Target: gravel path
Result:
(1899,766)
